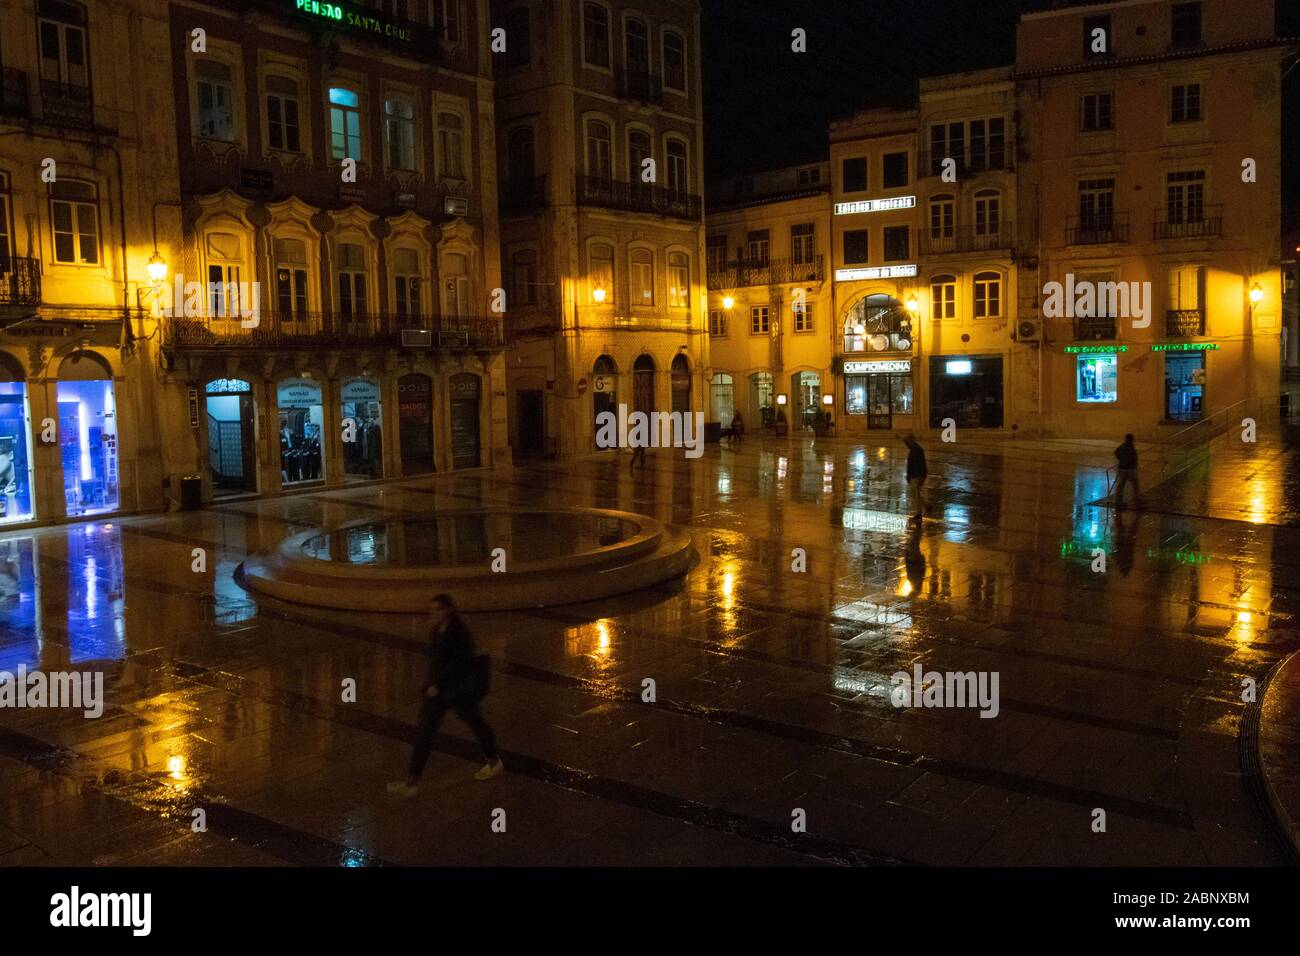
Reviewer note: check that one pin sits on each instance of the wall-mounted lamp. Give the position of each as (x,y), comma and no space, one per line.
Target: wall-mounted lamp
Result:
(157,269)
(913,304)
(781,399)
(598,294)
(828,399)
(1256,295)
(728,302)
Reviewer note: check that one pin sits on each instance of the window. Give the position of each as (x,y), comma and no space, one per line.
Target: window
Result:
(809,175)
(674,61)
(595,35)
(1185,24)
(6,230)
(988,295)
(406,284)
(519,155)
(757,245)
(803,316)
(1096,112)
(291,278)
(1186,288)
(451,145)
(759,323)
(715,252)
(947,141)
(943,211)
(677,176)
(600,272)
(988,214)
(64,53)
(1185,103)
(399,132)
(987,143)
(1096,204)
(446,19)
(345,123)
(352,280)
(943,297)
(679,281)
(636,46)
(216,88)
(643,277)
(1096,36)
(74,214)
(803,245)
(855,246)
(718,323)
(598,150)
(523,268)
(519,39)
(455,285)
(638,151)
(1185,196)
(895,170)
(854,174)
(282,128)
(898,243)
(225,266)
(1097,376)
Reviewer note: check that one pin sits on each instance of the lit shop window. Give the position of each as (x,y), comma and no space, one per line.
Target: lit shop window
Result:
(1097,378)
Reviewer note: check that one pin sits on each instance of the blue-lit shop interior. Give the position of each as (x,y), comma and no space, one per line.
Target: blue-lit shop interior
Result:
(15,448)
(87,435)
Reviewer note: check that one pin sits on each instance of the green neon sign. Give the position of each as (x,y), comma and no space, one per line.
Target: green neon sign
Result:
(1094,349)
(362,22)
(327,10)
(1186,347)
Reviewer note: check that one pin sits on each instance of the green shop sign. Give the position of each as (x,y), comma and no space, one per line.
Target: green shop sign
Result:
(1186,347)
(1094,349)
(364,22)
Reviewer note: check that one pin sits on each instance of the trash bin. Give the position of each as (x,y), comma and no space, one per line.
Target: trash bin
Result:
(191,492)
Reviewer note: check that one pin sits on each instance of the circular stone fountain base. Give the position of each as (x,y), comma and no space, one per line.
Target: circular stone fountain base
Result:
(552,556)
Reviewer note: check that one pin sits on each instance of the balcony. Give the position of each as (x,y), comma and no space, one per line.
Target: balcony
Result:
(1189,223)
(1183,323)
(735,275)
(1096,229)
(20,281)
(315,331)
(969,239)
(524,194)
(64,104)
(13,93)
(638,197)
(641,86)
(930,163)
(1094,328)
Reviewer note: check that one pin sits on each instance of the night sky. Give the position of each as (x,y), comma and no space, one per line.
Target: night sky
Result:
(765,106)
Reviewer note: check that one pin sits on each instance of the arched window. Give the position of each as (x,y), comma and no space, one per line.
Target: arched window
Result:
(282,113)
(643,384)
(399,132)
(595,35)
(599,156)
(943,214)
(679,281)
(943,297)
(406,284)
(678,178)
(451,145)
(674,61)
(636,46)
(988,295)
(681,384)
(600,273)
(523,269)
(225,260)
(878,323)
(216,90)
(604,387)
(291,283)
(455,285)
(642,274)
(74,218)
(988,217)
(352,280)
(345,123)
(638,151)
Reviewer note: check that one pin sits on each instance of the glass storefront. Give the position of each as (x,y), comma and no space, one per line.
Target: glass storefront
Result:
(1097,378)
(722,398)
(879,390)
(762,397)
(807,388)
(967,389)
(363,451)
(231,445)
(415,423)
(1184,386)
(87,437)
(15,452)
(465,388)
(302,423)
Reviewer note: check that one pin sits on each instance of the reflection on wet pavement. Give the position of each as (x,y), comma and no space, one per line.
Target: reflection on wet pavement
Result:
(1119,688)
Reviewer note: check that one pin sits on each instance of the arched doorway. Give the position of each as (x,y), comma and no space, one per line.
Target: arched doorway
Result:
(231,447)
(604,389)
(722,398)
(88,434)
(762,400)
(302,427)
(415,423)
(363,428)
(465,387)
(806,387)
(681,384)
(15,443)
(643,384)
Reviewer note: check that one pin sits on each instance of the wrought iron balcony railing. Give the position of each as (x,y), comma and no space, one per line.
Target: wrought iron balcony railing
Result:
(930,162)
(335,330)
(1094,328)
(1194,222)
(13,93)
(640,85)
(1185,322)
(20,281)
(638,197)
(735,275)
(1096,229)
(523,194)
(969,239)
(65,104)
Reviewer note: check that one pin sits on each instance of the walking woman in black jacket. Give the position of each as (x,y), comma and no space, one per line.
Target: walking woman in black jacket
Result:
(457,680)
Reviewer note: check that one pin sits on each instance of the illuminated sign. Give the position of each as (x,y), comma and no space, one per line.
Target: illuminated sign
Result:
(1094,349)
(360,21)
(959,367)
(1186,347)
(866,368)
(875,272)
(874,205)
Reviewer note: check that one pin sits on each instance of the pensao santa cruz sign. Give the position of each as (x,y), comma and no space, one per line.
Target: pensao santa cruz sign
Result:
(369,24)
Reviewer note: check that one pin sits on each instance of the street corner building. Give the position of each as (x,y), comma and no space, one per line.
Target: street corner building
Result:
(1086,242)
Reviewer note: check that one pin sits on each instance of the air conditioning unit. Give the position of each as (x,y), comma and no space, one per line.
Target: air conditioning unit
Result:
(416,339)
(1028,331)
(453,339)
(456,206)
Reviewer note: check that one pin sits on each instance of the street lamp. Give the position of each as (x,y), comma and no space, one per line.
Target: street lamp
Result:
(598,294)
(728,302)
(913,304)
(157,269)
(1256,295)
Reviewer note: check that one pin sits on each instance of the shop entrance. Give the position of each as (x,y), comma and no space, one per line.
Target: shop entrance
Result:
(87,434)
(231,448)
(880,402)
(807,389)
(15,443)
(681,385)
(302,423)
(363,427)
(722,391)
(465,421)
(643,384)
(1184,386)
(967,389)
(415,423)
(604,390)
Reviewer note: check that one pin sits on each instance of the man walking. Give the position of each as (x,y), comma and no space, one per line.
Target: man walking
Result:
(1126,473)
(916,475)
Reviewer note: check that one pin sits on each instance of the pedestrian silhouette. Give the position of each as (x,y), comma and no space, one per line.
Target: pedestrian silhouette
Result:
(1126,473)
(916,475)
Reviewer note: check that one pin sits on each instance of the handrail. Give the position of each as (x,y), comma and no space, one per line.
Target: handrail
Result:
(1178,448)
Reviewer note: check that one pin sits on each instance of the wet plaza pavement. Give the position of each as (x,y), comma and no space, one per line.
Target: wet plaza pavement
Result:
(1119,690)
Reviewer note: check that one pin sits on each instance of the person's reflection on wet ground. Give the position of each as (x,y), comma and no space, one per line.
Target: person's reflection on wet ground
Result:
(1125,539)
(913,559)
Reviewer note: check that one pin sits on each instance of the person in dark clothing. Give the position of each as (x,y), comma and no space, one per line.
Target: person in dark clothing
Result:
(455,681)
(1126,472)
(916,475)
(737,428)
